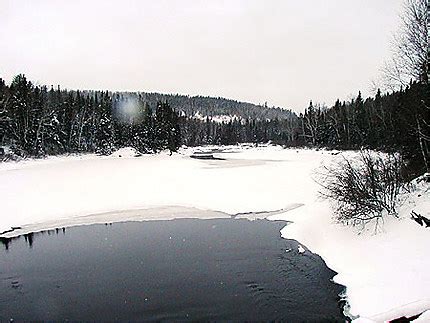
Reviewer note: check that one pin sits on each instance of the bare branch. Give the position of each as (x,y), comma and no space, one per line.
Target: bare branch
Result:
(409,59)
(363,190)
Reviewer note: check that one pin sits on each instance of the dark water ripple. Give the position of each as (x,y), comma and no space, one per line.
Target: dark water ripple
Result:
(222,269)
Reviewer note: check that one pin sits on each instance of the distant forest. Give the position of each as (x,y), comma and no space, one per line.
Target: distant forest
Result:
(397,121)
(37,121)
(209,106)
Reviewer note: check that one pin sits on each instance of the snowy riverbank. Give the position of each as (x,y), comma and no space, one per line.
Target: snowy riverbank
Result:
(382,272)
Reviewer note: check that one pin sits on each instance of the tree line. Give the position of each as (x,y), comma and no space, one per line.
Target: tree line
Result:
(35,121)
(209,132)
(396,121)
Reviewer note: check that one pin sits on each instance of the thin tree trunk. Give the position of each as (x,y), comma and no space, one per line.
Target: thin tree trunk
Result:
(423,145)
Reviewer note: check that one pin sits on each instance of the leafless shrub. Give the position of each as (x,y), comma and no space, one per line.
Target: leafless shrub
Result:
(365,189)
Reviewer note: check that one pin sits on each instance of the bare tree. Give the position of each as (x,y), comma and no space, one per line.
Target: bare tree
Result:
(409,59)
(423,132)
(363,190)
(409,62)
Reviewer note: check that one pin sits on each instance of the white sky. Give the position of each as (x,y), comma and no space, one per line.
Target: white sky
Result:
(285,52)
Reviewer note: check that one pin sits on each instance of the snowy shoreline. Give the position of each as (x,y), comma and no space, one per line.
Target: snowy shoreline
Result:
(165,213)
(76,190)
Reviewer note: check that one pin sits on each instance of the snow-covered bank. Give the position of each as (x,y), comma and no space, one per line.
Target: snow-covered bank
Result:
(60,188)
(387,274)
(382,272)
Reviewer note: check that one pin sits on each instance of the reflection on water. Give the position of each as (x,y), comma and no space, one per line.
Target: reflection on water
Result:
(222,269)
(29,237)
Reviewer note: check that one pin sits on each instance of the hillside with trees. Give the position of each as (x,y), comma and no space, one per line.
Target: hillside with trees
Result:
(210,106)
(37,121)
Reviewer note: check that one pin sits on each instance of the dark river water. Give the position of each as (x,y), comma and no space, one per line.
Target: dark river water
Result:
(222,269)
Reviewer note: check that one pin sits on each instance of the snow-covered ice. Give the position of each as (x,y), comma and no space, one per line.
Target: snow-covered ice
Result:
(60,188)
(383,272)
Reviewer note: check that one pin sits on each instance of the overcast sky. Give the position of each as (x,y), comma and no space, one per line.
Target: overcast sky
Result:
(285,52)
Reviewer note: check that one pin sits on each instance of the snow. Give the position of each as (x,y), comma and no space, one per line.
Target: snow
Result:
(407,310)
(217,118)
(386,274)
(63,187)
(424,318)
(125,152)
